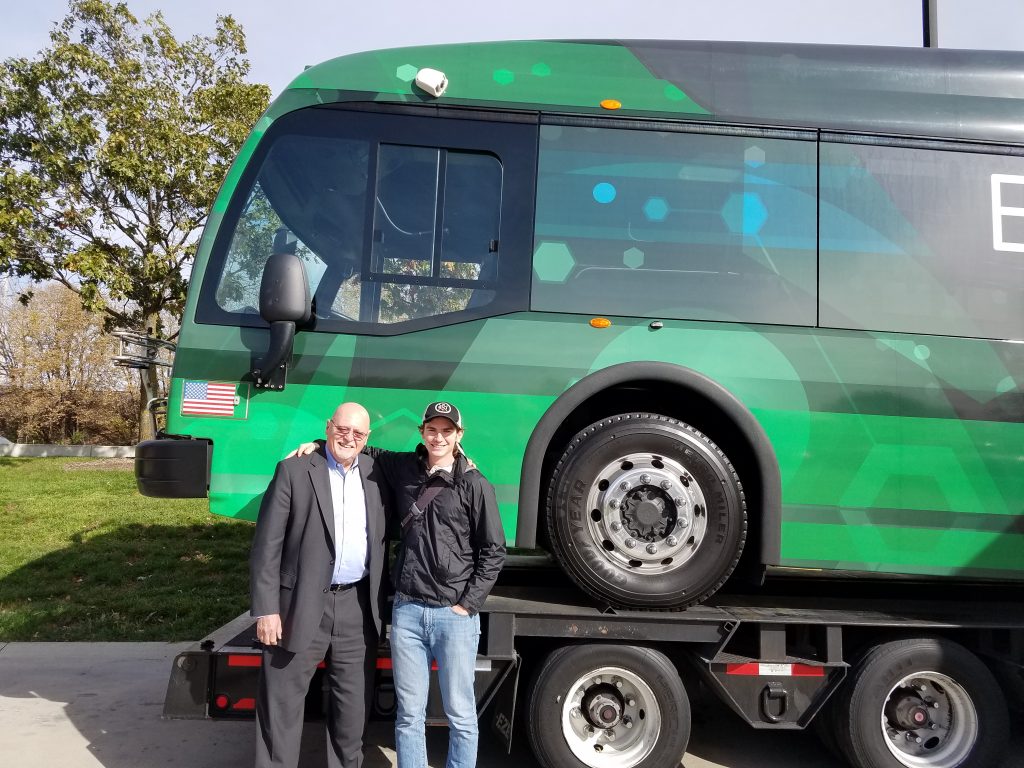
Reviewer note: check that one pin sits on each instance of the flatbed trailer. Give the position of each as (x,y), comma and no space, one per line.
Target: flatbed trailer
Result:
(884,681)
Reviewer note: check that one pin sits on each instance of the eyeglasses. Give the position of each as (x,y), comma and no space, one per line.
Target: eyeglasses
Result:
(346,431)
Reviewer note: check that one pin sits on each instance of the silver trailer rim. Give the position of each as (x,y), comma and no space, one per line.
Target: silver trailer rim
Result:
(929,721)
(610,718)
(646,513)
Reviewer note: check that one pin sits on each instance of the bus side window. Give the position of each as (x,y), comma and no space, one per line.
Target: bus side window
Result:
(436,231)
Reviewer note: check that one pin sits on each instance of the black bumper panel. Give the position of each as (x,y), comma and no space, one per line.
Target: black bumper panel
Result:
(173,469)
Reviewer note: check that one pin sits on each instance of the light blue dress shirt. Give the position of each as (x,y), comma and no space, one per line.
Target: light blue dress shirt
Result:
(350,536)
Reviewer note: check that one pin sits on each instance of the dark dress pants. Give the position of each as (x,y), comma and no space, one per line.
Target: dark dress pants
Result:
(347,641)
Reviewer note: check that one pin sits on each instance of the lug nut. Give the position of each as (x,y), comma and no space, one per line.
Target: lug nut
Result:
(682,523)
(630,703)
(665,485)
(628,722)
(652,549)
(645,479)
(671,541)
(589,730)
(613,503)
(618,683)
(575,712)
(616,526)
(630,543)
(624,485)
(679,501)
(609,734)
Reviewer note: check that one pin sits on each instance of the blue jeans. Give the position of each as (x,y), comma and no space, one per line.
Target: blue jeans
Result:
(420,633)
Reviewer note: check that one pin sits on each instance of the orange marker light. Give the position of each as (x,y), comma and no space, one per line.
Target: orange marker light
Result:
(600,322)
(611,103)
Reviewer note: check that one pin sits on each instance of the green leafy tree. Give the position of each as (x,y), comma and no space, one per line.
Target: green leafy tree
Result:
(113,142)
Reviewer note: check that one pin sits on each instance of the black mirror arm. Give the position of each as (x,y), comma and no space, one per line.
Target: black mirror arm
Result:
(270,371)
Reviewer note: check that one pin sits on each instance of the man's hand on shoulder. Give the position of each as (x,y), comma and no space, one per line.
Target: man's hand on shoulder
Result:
(268,629)
(303,450)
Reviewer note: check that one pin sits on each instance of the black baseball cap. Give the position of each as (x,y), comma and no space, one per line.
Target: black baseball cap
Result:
(443,410)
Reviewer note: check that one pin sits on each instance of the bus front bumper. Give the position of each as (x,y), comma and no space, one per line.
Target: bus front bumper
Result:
(173,467)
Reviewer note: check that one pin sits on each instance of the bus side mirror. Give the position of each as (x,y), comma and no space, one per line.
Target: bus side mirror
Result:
(284,302)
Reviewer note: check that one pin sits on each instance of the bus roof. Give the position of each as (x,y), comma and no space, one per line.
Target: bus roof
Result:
(942,93)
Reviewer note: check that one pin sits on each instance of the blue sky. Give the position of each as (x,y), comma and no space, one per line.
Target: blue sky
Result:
(285,37)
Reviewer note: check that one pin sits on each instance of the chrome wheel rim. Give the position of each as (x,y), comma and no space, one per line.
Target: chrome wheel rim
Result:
(611,718)
(646,512)
(929,721)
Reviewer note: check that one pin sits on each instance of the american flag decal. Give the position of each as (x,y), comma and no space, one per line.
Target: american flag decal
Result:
(209,398)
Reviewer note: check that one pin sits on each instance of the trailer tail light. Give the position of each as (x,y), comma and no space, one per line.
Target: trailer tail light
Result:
(245,704)
(220,701)
(244,660)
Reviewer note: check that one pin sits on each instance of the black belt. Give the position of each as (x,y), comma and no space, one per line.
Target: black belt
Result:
(343,587)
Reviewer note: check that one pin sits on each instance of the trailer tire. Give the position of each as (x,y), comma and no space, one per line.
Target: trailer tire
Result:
(631,699)
(922,703)
(644,511)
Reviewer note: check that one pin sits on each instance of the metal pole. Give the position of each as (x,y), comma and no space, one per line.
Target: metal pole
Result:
(930,23)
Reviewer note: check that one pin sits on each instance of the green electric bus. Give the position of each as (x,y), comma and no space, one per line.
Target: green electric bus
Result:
(707,308)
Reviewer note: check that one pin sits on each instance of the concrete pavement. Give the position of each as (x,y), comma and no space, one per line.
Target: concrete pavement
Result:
(98,705)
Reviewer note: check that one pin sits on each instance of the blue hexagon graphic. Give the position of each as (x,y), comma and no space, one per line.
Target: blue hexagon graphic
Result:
(754,157)
(633,258)
(406,73)
(553,262)
(744,214)
(656,209)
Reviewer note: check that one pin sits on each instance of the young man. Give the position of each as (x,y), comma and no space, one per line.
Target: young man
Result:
(317,568)
(452,548)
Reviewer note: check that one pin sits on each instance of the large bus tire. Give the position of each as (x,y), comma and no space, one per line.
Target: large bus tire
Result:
(922,703)
(644,511)
(608,706)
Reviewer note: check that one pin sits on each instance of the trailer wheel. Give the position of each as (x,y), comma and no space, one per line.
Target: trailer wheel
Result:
(645,511)
(608,706)
(922,703)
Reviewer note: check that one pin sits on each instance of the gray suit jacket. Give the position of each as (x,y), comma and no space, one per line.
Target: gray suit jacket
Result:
(293,550)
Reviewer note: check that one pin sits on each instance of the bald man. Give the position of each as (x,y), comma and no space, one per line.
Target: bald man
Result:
(316,570)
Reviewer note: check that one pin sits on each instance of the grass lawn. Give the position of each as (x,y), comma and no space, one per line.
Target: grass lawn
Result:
(84,557)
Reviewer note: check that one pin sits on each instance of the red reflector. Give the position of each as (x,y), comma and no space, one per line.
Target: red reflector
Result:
(768,669)
(806,670)
(245,704)
(244,660)
(221,701)
(741,669)
(386,664)
(322,665)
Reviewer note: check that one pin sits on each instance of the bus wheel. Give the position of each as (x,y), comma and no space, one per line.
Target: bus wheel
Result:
(645,511)
(608,706)
(922,703)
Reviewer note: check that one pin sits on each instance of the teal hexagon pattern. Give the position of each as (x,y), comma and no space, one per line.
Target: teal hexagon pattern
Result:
(633,258)
(553,262)
(744,213)
(754,157)
(504,76)
(406,73)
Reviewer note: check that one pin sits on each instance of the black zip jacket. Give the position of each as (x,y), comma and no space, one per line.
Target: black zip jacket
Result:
(451,553)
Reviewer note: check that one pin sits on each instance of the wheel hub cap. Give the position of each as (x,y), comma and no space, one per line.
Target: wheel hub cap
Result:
(929,721)
(647,512)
